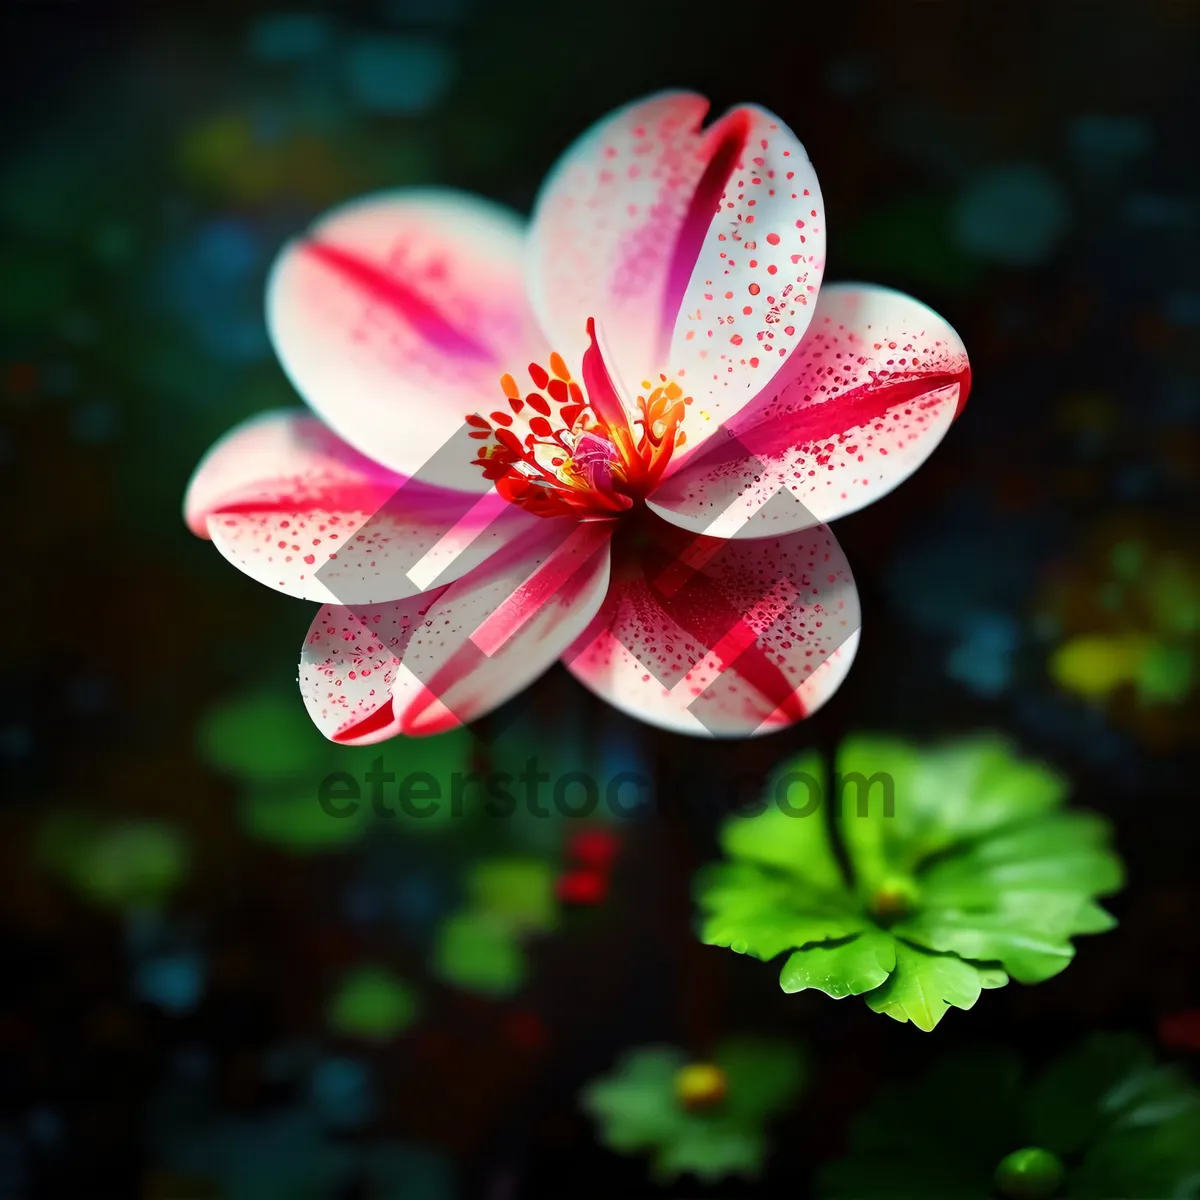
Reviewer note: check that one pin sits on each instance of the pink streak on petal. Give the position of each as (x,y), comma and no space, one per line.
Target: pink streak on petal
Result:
(864,400)
(755,278)
(395,316)
(277,455)
(725,144)
(607,225)
(422,315)
(376,726)
(856,409)
(460,681)
(290,504)
(349,664)
(741,642)
(541,588)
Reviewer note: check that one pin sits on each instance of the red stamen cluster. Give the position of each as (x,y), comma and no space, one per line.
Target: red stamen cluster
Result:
(553,454)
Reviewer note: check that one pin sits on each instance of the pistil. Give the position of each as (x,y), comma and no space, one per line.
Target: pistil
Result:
(566,447)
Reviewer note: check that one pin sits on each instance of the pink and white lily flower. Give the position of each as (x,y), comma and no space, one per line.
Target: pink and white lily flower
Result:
(613,436)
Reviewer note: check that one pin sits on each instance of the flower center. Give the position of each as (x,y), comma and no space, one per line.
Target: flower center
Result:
(700,1085)
(894,899)
(570,446)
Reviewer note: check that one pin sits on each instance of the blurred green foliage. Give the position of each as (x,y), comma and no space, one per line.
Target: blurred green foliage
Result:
(372,1003)
(481,947)
(128,864)
(649,1104)
(1116,1123)
(266,743)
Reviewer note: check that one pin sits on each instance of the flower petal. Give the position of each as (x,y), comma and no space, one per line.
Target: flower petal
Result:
(294,507)
(448,657)
(869,394)
(755,275)
(395,317)
(711,637)
(349,665)
(612,222)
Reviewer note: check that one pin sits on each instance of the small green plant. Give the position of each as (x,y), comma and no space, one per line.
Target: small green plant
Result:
(1102,1121)
(964,871)
(705,1118)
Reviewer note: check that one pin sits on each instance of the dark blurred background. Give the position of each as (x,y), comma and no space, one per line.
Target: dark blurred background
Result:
(212,989)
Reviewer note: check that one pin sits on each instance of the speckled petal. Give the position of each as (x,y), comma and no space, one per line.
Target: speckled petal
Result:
(611,231)
(716,637)
(349,665)
(395,317)
(754,282)
(294,507)
(867,397)
(452,655)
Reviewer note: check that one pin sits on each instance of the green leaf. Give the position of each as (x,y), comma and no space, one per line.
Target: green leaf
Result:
(756,912)
(1160,1158)
(1065,853)
(1153,1096)
(1091,918)
(476,952)
(843,968)
(1160,1162)
(1122,1125)
(871,773)
(924,986)
(1064,1103)
(941,797)
(935,1137)
(1031,946)
(372,1003)
(798,844)
(1136,1124)
(961,852)
(991,977)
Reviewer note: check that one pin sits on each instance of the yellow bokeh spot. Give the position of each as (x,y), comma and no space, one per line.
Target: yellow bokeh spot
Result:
(1094,666)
